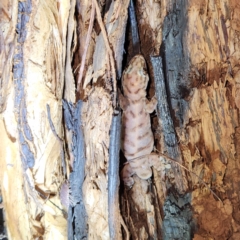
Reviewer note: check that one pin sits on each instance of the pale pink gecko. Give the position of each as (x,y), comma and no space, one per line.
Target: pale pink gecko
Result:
(137,138)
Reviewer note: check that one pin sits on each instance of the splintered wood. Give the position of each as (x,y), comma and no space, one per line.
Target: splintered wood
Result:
(96,118)
(49,48)
(30,155)
(201,69)
(103,65)
(211,119)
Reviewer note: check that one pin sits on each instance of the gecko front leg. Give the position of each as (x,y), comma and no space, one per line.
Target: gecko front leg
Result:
(151,105)
(123,101)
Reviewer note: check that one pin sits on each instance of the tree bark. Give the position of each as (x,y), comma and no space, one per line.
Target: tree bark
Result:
(61,62)
(32,154)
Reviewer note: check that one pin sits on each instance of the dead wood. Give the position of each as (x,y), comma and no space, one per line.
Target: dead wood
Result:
(54,50)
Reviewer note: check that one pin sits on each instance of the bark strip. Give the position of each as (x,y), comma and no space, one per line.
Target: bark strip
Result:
(134,29)
(177,213)
(170,142)
(113,179)
(77,217)
(24,131)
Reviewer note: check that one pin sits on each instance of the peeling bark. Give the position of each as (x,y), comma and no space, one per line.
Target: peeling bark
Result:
(31,159)
(114,217)
(43,53)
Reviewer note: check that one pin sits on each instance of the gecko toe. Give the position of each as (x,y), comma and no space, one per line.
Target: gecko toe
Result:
(128,181)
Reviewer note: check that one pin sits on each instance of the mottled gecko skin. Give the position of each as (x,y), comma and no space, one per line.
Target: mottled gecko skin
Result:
(137,137)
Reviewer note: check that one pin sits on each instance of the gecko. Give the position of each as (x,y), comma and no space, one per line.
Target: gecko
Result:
(137,140)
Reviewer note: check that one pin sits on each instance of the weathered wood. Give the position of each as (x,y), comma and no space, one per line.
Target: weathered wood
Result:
(169,139)
(198,102)
(97,111)
(77,217)
(114,216)
(30,154)
(41,49)
(134,30)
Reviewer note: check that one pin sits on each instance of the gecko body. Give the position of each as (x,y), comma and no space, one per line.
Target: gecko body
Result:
(137,138)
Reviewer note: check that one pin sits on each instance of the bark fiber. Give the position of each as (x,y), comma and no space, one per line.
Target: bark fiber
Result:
(61,63)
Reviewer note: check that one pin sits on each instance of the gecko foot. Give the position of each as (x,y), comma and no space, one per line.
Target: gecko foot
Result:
(126,175)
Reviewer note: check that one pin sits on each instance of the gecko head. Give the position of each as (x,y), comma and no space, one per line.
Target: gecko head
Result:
(135,77)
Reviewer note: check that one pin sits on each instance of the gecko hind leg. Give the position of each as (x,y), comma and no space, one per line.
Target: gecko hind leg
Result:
(158,162)
(126,175)
(141,167)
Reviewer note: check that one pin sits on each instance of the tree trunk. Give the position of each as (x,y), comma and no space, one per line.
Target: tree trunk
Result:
(61,63)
